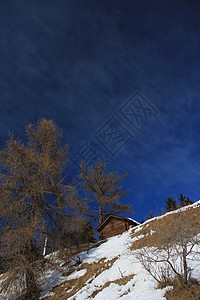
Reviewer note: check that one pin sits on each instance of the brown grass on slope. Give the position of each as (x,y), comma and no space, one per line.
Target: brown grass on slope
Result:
(166,230)
(192,292)
(168,223)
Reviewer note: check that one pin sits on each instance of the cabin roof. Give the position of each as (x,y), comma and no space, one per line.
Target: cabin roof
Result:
(116,217)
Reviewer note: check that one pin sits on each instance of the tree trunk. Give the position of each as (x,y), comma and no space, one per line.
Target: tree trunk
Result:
(32,291)
(100,221)
(29,243)
(100,214)
(45,246)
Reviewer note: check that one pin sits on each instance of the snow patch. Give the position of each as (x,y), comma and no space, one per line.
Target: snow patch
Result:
(77,274)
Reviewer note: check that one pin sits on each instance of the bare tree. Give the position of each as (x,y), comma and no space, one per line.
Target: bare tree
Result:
(34,200)
(104,189)
(178,243)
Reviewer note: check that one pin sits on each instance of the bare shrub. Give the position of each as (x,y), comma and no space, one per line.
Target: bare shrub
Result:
(176,246)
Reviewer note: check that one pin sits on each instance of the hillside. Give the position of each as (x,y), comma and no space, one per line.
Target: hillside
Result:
(112,269)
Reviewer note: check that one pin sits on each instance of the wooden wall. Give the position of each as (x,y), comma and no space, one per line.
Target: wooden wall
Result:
(114,227)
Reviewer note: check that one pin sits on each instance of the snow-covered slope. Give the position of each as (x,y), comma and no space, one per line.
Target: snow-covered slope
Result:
(112,271)
(140,284)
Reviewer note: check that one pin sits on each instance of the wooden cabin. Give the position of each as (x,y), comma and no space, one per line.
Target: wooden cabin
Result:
(114,225)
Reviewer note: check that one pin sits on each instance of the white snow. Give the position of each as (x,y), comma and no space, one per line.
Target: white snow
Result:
(134,221)
(151,232)
(51,279)
(114,246)
(142,286)
(77,274)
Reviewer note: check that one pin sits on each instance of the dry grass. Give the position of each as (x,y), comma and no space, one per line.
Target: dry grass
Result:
(71,287)
(192,292)
(166,223)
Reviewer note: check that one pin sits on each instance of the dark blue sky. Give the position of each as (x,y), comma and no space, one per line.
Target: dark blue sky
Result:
(122,78)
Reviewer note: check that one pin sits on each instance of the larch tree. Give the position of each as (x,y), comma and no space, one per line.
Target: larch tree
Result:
(34,200)
(104,189)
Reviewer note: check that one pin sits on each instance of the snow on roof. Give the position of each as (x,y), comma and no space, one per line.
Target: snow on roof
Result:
(133,221)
